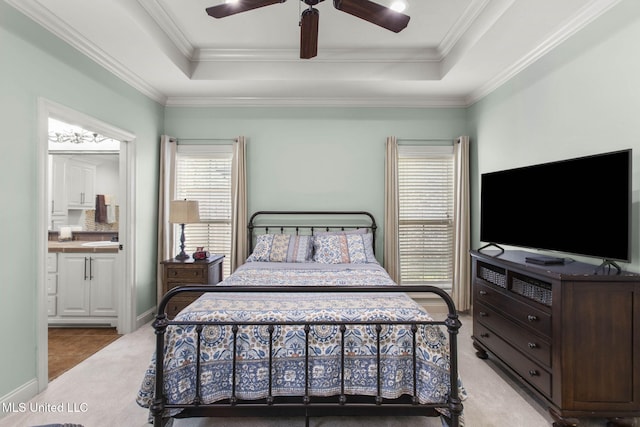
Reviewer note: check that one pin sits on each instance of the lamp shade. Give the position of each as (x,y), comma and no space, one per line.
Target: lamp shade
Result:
(184,212)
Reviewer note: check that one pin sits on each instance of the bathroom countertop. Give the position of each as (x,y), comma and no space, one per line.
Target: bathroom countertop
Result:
(83,246)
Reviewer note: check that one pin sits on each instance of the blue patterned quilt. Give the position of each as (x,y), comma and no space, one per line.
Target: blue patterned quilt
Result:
(289,341)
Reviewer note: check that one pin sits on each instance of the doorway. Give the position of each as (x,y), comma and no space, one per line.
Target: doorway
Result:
(75,220)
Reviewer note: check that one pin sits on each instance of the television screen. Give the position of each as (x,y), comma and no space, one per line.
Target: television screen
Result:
(580,206)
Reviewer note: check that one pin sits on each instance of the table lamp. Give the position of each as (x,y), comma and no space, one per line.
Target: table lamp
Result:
(183,212)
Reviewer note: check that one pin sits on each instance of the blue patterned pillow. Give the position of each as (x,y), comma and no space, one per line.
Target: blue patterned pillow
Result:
(344,249)
(282,248)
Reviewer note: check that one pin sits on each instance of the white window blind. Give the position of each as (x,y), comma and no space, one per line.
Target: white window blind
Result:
(203,173)
(425,191)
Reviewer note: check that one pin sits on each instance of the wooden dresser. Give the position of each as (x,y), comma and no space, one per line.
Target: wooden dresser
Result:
(570,335)
(189,272)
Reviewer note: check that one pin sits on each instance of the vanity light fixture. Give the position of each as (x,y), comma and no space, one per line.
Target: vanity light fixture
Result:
(76,137)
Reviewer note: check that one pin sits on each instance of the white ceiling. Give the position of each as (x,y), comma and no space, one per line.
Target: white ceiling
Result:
(452,53)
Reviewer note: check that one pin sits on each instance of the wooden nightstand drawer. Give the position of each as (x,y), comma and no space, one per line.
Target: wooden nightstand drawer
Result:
(189,272)
(185,275)
(178,303)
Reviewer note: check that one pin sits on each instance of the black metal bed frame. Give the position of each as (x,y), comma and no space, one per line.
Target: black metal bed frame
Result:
(254,224)
(307,406)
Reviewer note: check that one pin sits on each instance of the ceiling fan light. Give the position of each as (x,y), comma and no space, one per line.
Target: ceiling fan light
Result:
(231,1)
(398,5)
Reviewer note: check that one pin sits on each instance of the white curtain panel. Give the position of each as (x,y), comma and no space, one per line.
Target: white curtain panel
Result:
(166,192)
(391,211)
(239,214)
(461,263)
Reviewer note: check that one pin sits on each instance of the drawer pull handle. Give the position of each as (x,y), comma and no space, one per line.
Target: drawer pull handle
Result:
(534,373)
(484,335)
(483,314)
(532,318)
(483,292)
(532,345)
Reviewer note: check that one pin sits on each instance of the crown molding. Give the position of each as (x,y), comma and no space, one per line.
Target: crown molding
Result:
(45,18)
(335,55)
(168,25)
(461,26)
(387,102)
(588,14)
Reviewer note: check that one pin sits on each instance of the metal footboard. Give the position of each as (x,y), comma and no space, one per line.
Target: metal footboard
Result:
(308,405)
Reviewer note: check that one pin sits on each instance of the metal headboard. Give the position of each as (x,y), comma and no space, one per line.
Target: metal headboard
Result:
(308,222)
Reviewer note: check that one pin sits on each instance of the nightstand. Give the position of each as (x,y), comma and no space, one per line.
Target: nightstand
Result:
(189,272)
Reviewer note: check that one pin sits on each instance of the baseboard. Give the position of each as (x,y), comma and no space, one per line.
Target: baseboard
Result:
(84,322)
(145,317)
(12,401)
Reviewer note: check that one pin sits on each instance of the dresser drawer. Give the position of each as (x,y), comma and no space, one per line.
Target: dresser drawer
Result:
(527,342)
(186,275)
(530,371)
(528,315)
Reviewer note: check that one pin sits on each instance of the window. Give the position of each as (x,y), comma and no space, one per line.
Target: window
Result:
(203,173)
(425,193)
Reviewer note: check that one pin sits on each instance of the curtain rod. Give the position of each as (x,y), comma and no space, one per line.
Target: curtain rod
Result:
(426,139)
(206,139)
(434,142)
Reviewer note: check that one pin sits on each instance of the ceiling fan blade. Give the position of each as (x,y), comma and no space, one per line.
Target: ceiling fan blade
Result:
(227,9)
(374,13)
(309,33)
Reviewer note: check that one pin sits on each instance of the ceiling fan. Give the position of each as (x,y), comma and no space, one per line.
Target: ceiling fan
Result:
(363,9)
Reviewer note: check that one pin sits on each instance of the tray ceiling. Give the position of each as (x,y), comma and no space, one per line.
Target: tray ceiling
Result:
(452,53)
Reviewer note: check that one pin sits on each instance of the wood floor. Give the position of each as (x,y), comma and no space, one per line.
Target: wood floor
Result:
(70,346)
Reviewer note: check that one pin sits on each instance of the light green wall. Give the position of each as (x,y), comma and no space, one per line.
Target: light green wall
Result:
(316,158)
(36,64)
(582,98)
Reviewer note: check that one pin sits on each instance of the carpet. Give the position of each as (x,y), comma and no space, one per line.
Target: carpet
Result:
(101,391)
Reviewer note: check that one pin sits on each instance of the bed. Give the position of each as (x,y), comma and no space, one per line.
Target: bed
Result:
(311,325)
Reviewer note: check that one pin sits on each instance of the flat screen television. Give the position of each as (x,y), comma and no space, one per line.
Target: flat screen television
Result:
(579,206)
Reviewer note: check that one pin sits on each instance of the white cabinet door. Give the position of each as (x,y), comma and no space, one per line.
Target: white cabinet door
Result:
(81,179)
(74,289)
(103,290)
(86,285)
(58,193)
(52,262)
(58,200)
(51,305)
(52,283)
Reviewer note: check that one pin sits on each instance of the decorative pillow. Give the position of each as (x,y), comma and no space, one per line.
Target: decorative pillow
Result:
(282,248)
(344,249)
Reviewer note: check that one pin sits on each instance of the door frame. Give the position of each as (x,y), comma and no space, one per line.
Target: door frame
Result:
(126,232)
